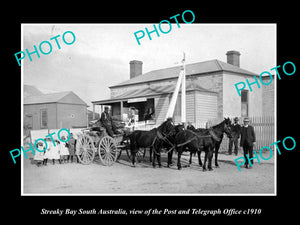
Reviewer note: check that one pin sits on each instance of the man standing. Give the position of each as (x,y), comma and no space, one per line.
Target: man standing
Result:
(236,131)
(107,122)
(247,141)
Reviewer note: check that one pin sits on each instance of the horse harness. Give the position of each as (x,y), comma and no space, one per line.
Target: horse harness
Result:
(164,138)
(212,135)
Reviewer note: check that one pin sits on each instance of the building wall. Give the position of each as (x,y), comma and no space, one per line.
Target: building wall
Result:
(190,106)
(71,115)
(232,100)
(34,110)
(161,105)
(268,98)
(212,82)
(206,107)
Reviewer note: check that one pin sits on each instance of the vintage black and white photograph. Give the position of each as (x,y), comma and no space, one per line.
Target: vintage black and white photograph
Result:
(131,109)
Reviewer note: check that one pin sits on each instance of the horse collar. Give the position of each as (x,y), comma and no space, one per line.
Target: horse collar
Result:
(214,136)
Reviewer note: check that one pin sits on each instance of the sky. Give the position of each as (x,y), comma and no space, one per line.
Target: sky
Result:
(101,53)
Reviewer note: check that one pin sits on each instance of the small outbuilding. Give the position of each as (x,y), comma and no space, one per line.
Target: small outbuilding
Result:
(54,111)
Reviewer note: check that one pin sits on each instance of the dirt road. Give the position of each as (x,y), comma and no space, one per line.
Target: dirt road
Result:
(121,178)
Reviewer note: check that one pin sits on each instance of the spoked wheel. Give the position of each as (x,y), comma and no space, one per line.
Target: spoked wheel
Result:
(140,155)
(108,151)
(85,149)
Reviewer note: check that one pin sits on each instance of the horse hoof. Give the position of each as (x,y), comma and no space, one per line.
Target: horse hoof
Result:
(179,168)
(210,169)
(133,165)
(159,166)
(153,166)
(204,170)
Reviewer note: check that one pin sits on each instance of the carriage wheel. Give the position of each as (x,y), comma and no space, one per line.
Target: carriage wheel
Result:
(108,151)
(85,149)
(140,155)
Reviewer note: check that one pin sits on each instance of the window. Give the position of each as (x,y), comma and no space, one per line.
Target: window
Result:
(244,101)
(44,118)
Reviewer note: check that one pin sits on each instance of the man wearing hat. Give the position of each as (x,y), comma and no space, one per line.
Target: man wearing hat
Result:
(247,140)
(236,132)
(107,122)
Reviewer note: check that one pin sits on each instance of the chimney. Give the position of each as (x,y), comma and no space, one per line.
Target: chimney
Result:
(233,58)
(136,68)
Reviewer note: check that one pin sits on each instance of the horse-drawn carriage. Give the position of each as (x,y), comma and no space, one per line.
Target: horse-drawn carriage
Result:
(96,141)
(92,142)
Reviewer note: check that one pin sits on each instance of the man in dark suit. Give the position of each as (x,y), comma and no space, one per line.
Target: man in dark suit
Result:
(236,132)
(107,122)
(247,140)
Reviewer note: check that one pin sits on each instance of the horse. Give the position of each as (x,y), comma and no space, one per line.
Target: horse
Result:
(218,141)
(168,142)
(203,139)
(150,139)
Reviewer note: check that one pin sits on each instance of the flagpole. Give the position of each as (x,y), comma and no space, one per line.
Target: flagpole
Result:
(183,93)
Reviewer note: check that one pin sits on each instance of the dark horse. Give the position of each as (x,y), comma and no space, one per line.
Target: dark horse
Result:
(151,139)
(201,140)
(218,141)
(168,143)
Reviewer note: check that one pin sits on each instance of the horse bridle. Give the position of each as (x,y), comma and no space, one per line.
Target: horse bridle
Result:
(164,137)
(226,129)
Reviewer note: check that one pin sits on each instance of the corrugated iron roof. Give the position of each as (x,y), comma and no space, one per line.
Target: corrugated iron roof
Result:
(191,69)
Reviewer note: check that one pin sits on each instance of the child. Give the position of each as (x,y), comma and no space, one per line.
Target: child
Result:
(47,154)
(64,152)
(39,155)
(55,152)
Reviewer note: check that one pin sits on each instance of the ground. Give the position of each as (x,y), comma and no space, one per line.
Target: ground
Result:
(122,178)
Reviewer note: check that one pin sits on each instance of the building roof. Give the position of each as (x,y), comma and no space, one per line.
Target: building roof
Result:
(191,69)
(59,97)
(31,90)
(151,92)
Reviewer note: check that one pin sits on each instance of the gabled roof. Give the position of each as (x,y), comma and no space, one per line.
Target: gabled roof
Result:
(191,69)
(59,97)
